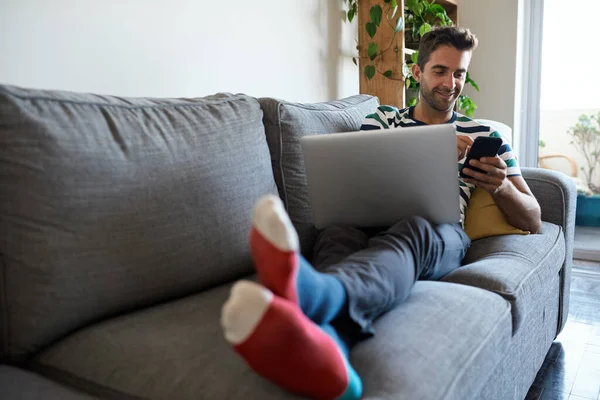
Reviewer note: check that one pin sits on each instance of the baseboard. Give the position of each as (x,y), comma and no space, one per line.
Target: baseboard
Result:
(586,254)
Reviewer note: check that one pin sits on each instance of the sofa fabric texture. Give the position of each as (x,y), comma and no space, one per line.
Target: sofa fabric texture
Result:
(18,384)
(513,267)
(285,124)
(108,204)
(557,196)
(513,376)
(472,332)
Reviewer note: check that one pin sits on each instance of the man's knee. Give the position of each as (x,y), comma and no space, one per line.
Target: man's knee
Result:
(341,234)
(422,227)
(335,243)
(413,223)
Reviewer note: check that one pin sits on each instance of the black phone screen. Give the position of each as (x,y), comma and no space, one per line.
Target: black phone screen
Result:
(483,146)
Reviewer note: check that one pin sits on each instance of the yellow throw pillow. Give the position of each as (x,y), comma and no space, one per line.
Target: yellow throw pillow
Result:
(483,218)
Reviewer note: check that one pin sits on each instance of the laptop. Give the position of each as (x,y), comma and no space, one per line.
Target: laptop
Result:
(375,178)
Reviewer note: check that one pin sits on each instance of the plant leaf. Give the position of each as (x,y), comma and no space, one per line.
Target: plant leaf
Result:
(419,9)
(372,50)
(399,24)
(350,14)
(424,29)
(376,14)
(386,1)
(394,3)
(388,73)
(465,103)
(472,82)
(411,5)
(437,9)
(412,102)
(354,61)
(414,57)
(370,71)
(371,29)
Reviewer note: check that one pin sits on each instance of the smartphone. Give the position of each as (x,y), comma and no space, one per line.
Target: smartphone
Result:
(483,146)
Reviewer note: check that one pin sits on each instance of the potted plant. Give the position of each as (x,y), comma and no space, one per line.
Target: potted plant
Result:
(585,136)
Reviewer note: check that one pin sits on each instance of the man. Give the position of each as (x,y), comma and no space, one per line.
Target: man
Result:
(441,69)
(295,328)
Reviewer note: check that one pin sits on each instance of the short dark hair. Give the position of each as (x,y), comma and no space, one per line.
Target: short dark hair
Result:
(460,38)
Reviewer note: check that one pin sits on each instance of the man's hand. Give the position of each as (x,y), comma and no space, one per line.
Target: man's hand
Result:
(463,145)
(493,180)
(512,195)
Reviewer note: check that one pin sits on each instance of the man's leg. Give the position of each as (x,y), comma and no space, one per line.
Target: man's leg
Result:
(335,243)
(362,286)
(382,275)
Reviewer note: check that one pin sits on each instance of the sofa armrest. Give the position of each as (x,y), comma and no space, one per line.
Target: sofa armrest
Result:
(557,196)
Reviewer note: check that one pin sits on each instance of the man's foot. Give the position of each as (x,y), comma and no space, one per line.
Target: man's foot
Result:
(284,346)
(281,269)
(274,247)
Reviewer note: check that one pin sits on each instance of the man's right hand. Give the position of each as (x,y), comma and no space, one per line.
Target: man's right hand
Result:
(463,145)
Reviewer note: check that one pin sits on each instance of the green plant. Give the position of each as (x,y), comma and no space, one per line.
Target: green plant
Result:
(421,17)
(389,10)
(586,138)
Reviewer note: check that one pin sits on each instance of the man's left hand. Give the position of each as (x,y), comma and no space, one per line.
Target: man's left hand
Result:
(494,178)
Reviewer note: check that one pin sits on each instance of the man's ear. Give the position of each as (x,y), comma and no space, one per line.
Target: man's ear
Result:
(416,72)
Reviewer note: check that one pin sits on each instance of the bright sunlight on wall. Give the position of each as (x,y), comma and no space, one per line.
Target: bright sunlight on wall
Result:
(570,56)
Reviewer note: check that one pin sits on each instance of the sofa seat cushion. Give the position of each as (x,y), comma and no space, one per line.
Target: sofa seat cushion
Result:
(451,334)
(441,343)
(18,384)
(514,266)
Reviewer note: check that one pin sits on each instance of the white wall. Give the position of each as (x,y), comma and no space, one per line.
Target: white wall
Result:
(298,50)
(494,63)
(288,49)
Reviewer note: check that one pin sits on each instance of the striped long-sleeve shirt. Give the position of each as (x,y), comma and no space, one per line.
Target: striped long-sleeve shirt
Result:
(387,117)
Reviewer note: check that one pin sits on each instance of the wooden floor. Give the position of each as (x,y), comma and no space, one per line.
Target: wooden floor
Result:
(571,370)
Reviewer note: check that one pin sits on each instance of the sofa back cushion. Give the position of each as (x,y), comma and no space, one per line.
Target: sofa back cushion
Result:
(109,204)
(285,123)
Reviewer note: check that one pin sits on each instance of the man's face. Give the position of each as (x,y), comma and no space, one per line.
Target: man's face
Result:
(443,78)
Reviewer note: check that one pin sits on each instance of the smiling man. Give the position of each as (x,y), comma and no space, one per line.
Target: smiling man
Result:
(441,69)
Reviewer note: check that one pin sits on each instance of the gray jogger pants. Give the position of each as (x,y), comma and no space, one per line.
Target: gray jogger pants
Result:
(379,271)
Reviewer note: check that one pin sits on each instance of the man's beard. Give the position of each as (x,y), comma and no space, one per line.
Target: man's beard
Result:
(439,105)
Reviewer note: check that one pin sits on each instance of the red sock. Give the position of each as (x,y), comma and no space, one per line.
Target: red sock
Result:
(281,344)
(274,248)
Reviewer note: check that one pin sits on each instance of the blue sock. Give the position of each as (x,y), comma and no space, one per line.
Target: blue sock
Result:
(354,389)
(321,297)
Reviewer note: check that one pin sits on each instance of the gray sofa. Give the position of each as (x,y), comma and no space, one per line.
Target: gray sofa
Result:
(124,222)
